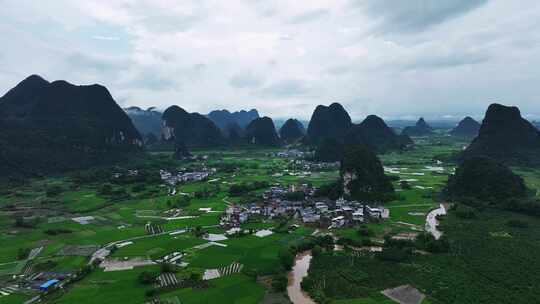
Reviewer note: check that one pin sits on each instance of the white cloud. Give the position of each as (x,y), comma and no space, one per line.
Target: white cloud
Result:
(417,57)
(107,38)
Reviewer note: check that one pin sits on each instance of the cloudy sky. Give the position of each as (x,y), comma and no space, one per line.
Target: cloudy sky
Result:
(394,58)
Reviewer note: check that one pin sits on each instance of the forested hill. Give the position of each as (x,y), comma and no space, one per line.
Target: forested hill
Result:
(54,126)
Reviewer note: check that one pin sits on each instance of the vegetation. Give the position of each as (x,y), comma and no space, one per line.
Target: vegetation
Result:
(363,175)
(485,253)
(483,263)
(486,180)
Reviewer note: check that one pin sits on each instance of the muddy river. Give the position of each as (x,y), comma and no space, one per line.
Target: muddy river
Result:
(432,223)
(299,272)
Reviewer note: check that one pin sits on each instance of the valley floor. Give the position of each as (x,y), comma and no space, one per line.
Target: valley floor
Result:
(47,230)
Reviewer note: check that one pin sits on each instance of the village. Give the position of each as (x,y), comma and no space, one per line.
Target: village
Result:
(287,202)
(309,210)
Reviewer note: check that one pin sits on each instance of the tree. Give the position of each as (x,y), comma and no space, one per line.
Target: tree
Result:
(147,277)
(23,253)
(54,190)
(405,185)
(106,189)
(286,258)
(316,251)
(487,180)
(168,268)
(138,188)
(363,175)
(329,150)
(280,282)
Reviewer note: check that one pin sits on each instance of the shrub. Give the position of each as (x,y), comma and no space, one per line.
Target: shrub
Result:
(364,231)
(517,224)
(105,189)
(280,282)
(53,191)
(395,255)
(166,267)
(465,212)
(286,258)
(147,277)
(23,253)
(317,250)
(57,231)
(151,292)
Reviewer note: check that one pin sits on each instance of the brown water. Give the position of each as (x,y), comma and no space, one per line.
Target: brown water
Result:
(432,222)
(299,272)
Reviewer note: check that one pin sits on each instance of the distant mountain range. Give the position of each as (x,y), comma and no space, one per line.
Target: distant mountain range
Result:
(262,131)
(333,122)
(190,129)
(54,126)
(468,127)
(374,133)
(146,121)
(421,128)
(292,131)
(224,118)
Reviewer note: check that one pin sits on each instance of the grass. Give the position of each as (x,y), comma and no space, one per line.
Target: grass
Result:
(255,253)
(475,267)
(156,247)
(108,287)
(16,298)
(233,289)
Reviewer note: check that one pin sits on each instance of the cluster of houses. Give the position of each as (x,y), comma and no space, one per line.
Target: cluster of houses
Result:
(127,173)
(310,211)
(45,281)
(339,213)
(184,176)
(278,192)
(292,153)
(305,165)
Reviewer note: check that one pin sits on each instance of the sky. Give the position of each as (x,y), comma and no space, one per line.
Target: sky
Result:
(399,59)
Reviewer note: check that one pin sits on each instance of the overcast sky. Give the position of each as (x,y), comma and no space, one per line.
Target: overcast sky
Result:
(393,58)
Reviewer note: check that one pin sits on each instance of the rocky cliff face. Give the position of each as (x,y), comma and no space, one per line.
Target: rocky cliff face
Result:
(53,126)
(190,129)
(505,136)
(292,131)
(262,131)
(420,129)
(468,127)
(374,133)
(328,122)
(146,121)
